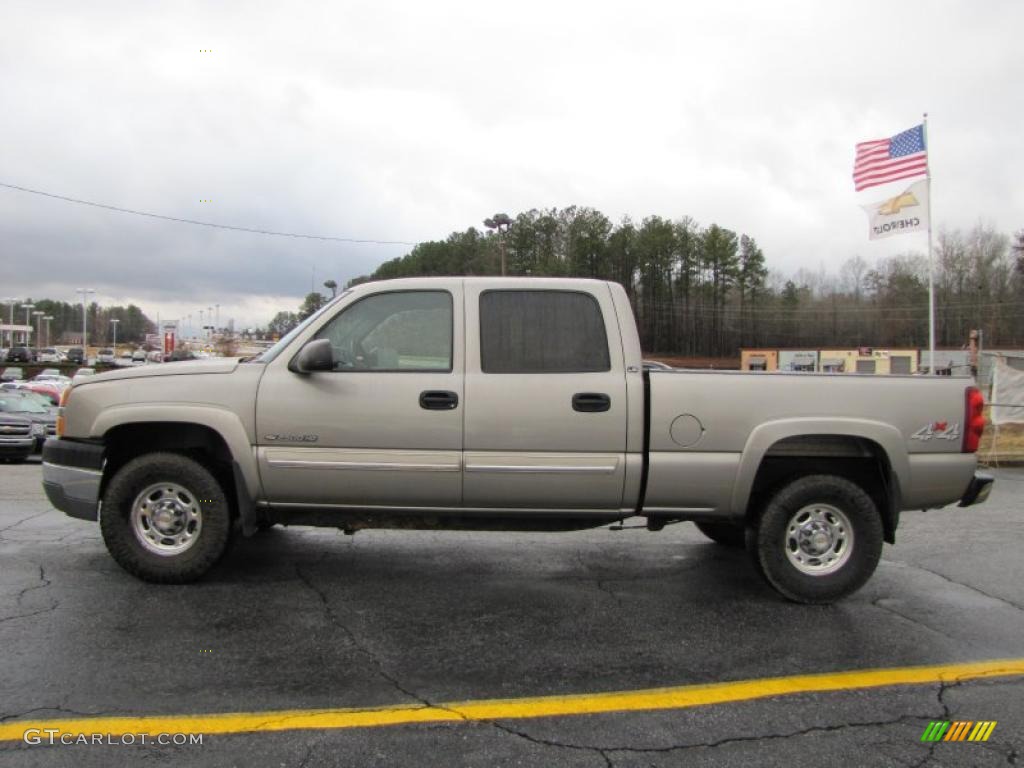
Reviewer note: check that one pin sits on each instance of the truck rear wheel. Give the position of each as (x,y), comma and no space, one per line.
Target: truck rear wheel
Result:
(819,539)
(165,518)
(723,533)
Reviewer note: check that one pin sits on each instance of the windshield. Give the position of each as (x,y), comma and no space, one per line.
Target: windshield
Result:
(19,404)
(269,354)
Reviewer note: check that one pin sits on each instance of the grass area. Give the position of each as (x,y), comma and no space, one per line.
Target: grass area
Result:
(1009,444)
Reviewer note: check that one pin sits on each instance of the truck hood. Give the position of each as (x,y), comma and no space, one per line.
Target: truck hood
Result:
(184,368)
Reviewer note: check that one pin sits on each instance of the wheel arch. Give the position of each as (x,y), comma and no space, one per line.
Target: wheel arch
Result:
(869,453)
(213,433)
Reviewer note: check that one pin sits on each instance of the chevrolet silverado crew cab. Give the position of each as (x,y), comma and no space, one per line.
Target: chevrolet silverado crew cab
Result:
(506,404)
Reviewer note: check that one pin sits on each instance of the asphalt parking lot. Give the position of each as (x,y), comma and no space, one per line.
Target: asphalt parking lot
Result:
(300,619)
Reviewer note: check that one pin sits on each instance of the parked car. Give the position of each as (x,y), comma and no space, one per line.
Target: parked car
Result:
(49,355)
(105,355)
(124,360)
(38,397)
(139,356)
(83,372)
(20,355)
(44,420)
(16,439)
(508,403)
(48,373)
(76,355)
(13,373)
(51,389)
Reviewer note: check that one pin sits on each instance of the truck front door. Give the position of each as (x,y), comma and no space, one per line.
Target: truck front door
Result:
(384,428)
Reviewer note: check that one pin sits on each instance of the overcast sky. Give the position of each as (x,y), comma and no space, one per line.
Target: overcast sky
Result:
(406,121)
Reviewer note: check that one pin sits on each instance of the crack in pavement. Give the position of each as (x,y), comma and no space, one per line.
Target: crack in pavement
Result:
(50,609)
(374,659)
(971,587)
(423,701)
(877,603)
(22,520)
(599,581)
(44,583)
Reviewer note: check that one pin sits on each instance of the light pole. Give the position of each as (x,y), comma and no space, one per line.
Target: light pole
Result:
(47,318)
(38,314)
(216,325)
(209,318)
(10,334)
(28,308)
(114,321)
(85,323)
(502,223)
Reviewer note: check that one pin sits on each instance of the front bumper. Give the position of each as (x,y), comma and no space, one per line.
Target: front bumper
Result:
(17,447)
(978,490)
(72,473)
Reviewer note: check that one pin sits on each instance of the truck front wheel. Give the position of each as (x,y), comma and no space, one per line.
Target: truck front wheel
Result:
(819,539)
(165,518)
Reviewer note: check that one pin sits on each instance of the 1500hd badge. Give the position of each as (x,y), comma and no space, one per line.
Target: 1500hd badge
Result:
(938,430)
(292,438)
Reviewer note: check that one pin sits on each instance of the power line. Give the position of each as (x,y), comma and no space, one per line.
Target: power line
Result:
(204,223)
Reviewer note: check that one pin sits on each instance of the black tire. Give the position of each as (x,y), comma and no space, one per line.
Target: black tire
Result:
(774,543)
(723,533)
(119,530)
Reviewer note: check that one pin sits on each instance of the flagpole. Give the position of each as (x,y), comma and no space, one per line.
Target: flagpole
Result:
(931,257)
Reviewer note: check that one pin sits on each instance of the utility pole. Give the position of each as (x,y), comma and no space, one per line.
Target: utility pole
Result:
(48,318)
(114,321)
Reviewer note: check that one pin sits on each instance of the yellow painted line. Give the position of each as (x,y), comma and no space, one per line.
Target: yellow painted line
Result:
(680,697)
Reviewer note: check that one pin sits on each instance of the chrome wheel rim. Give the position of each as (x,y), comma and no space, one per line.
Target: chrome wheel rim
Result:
(166,519)
(819,539)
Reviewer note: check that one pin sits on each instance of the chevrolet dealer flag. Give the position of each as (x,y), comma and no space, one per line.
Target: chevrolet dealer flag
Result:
(907,212)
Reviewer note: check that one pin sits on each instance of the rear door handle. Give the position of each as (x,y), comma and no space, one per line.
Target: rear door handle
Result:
(591,402)
(438,400)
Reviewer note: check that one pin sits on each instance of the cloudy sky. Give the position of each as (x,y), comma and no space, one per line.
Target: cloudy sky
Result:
(406,121)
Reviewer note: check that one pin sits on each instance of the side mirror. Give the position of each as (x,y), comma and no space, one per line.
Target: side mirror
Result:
(317,355)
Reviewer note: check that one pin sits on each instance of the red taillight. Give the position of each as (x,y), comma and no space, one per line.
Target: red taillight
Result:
(974,419)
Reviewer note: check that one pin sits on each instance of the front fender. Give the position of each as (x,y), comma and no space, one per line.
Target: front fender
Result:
(224,422)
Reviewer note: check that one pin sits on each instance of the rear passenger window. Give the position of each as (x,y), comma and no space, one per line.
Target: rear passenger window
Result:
(542,332)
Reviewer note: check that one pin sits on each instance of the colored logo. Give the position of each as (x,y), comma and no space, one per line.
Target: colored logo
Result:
(958,730)
(894,205)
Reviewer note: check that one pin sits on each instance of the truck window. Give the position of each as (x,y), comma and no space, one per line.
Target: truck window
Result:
(542,332)
(396,331)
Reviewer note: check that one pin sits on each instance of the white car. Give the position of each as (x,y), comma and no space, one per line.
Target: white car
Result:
(49,355)
(105,355)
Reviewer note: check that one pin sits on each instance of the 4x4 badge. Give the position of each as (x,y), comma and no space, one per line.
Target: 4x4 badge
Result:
(938,430)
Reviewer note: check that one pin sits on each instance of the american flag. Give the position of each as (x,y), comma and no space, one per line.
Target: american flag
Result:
(898,157)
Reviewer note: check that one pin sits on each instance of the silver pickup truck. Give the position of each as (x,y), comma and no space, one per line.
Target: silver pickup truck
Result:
(506,404)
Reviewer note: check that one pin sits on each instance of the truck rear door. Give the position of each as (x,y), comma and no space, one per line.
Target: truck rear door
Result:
(546,406)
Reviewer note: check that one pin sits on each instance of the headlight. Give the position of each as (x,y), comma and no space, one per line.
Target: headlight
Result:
(64,397)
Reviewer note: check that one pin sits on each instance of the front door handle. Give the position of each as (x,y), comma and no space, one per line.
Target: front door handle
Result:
(438,400)
(591,402)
